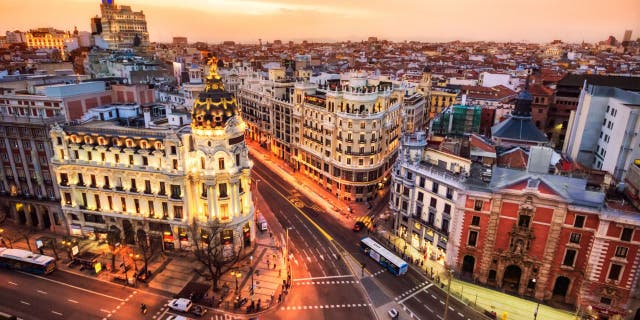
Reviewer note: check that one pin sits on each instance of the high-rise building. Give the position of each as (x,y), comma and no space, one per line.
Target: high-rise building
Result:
(627,36)
(121,26)
(133,175)
(604,130)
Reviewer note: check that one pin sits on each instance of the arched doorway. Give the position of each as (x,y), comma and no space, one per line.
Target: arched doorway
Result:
(468,263)
(561,287)
(22,217)
(511,278)
(114,236)
(46,219)
(34,216)
(129,233)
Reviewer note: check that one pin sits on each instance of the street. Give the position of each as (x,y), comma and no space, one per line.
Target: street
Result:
(312,249)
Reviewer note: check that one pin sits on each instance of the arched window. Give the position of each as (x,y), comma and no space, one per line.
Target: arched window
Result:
(202,163)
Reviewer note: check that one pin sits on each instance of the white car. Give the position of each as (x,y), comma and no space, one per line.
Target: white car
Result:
(181,304)
(175,317)
(393,314)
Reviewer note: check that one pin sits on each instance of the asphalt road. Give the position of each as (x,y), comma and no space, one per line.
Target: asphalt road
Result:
(311,248)
(63,295)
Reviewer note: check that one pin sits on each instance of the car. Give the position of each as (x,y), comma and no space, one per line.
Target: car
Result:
(176,317)
(393,313)
(180,304)
(358,226)
(198,311)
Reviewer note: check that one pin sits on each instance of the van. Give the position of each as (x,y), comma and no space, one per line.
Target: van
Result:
(262,223)
(181,304)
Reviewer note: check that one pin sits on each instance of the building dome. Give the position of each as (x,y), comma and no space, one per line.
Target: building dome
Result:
(214,105)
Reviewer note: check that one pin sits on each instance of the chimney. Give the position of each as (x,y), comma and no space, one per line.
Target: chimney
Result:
(146,111)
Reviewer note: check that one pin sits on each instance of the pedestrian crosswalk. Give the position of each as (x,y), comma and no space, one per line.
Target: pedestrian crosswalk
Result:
(300,283)
(327,306)
(367,220)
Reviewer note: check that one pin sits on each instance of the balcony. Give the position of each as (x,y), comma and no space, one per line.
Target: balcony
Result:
(176,196)
(119,188)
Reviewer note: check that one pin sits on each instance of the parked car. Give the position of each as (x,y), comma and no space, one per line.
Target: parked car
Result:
(358,226)
(393,313)
(198,310)
(181,304)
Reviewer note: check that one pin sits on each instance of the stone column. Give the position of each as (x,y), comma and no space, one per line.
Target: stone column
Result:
(39,215)
(14,171)
(211,212)
(214,194)
(27,215)
(234,199)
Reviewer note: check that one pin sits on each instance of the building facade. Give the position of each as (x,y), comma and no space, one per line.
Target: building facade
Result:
(48,38)
(342,133)
(426,186)
(603,131)
(128,176)
(122,27)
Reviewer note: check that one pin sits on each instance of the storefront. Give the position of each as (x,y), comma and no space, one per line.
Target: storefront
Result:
(246,235)
(226,240)
(75,230)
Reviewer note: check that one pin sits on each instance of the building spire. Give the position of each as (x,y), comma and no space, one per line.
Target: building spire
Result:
(523,101)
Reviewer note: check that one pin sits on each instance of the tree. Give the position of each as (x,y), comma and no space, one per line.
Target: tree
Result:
(26,234)
(146,248)
(210,251)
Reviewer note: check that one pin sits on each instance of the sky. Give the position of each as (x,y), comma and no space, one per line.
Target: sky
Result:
(246,21)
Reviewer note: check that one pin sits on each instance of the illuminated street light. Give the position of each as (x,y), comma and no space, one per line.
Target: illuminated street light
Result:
(236,274)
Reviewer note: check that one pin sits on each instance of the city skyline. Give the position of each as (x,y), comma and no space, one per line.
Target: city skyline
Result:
(250,20)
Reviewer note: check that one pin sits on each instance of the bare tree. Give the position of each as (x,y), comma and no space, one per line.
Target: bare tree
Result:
(146,248)
(26,233)
(211,253)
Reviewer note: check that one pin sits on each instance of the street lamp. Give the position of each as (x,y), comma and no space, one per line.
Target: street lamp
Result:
(2,239)
(236,274)
(252,270)
(67,245)
(446,304)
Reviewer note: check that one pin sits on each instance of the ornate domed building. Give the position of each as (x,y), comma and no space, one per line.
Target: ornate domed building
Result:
(175,180)
(218,175)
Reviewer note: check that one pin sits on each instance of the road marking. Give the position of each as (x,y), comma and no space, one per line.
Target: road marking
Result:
(428,308)
(71,286)
(24,302)
(321,257)
(320,278)
(71,300)
(56,312)
(415,293)
(460,314)
(105,311)
(40,291)
(13,283)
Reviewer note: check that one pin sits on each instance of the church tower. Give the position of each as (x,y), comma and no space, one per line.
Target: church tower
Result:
(218,176)
(425,82)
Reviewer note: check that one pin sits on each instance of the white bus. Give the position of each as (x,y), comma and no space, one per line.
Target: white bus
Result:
(26,261)
(383,256)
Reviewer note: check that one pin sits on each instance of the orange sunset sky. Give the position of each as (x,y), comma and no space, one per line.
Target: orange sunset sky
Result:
(327,20)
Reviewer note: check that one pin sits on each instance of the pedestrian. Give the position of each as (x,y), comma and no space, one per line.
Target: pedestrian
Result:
(272,298)
(258,306)
(270,234)
(280,297)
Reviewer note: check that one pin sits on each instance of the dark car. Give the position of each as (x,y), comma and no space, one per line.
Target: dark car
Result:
(358,226)
(198,310)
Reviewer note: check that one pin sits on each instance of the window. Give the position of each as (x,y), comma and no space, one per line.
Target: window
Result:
(421,182)
(445,226)
(627,234)
(136,204)
(175,164)
(145,160)
(569,258)
(447,208)
(96,198)
(222,189)
(420,196)
(475,221)
(173,149)
(110,202)
(579,221)
(614,272)
(103,156)
(434,188)
(605,300)
(147,186)
(477,206)
(123,203)
(133,185)
(575,237)
(67,198)
(64,179)
(130,159)
(117,158)
(175,191)
(165,209)
(93,181)
(151,208)
(89,155)
(523,221)
(473,238)
(621,252)
(177,212)
(162,190)
(433,203)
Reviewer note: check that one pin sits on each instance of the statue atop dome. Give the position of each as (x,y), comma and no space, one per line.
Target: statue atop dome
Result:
(213,68)
(214,106)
